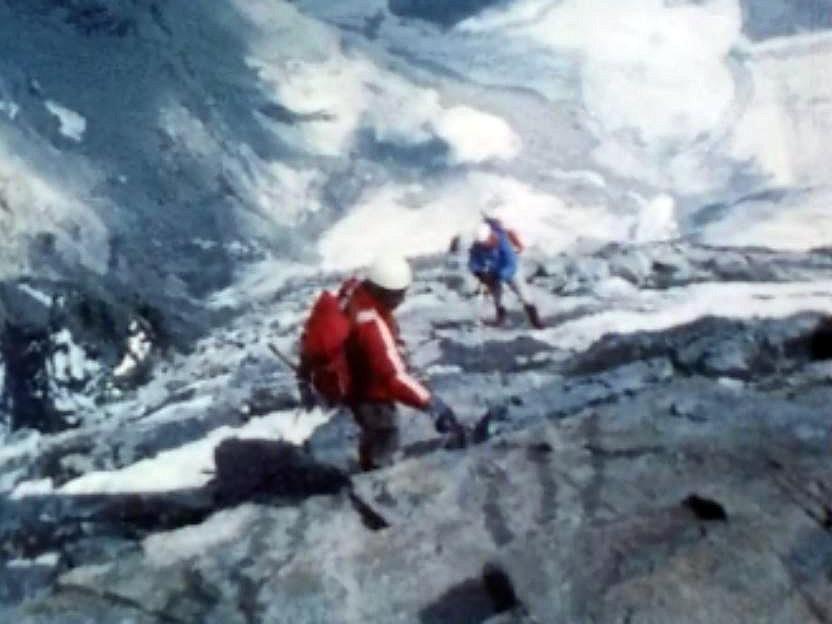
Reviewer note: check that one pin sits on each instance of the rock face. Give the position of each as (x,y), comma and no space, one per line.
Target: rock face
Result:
(659,453)
(675,473)
(720,515)
(66,346)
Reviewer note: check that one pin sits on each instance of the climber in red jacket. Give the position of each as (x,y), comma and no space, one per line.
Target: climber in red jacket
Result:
(376,378)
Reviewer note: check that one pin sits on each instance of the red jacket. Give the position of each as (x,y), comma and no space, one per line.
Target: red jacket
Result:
(378,371)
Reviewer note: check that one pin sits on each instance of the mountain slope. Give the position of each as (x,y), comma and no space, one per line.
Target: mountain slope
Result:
(612,469)
(178,180)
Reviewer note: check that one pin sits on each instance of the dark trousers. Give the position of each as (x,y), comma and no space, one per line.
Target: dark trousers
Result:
(379,437)
(495,288)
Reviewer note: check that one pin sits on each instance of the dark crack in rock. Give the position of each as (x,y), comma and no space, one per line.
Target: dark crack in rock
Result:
(820,341)
(443,13)
(499,587)
(468,602)
(705,509)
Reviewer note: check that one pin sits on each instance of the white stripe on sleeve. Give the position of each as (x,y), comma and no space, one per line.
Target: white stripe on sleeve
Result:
(392,353)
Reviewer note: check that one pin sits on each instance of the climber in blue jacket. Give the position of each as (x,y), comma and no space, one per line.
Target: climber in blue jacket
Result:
(493,259)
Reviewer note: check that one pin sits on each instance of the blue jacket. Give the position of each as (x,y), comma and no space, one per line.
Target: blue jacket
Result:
(498,260)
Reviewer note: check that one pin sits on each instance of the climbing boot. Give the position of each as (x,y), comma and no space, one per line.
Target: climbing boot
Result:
(534,317)
(500,318)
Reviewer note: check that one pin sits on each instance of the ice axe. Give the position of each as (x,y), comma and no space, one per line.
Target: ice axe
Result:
(308,396)
(284,358)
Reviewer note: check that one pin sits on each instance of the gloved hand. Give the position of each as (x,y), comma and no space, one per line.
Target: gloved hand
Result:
(445,422)
(443,416)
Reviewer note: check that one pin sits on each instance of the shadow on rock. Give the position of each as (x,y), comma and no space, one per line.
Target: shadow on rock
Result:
(820,342)
(260,470)
(474,601)
(255,468)
(706,509)
(26,392)
(442,13)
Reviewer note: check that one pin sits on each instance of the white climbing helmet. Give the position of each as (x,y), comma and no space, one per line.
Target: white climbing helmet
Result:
(483,233)
(391,272)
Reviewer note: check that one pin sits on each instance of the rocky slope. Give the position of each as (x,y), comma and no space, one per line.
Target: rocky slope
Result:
(660,453)
(174,178)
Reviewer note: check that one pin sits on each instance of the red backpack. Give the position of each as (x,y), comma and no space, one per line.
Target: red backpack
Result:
(322,349)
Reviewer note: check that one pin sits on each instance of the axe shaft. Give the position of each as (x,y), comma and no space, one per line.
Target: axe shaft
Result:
(283,357)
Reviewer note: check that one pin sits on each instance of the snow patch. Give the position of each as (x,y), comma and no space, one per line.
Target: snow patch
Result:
(320,92)
(794,224)
(49,560)
(641,80)
(191,465)
(385,221)
(414,220)
(787,127)
(139,346)
(260,281)
(615,288)
(20,444)
(440,369)
(475,136)
(326,94)
(287,195)
(10,109)
(178,410)
(656,221)
(203,244)
(73,125)
(31,206)
(645,73)
(69,362)
(592,178)
(36,294)
(38,487)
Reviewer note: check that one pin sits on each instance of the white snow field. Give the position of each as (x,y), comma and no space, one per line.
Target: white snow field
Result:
(673,98)
(540,107)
